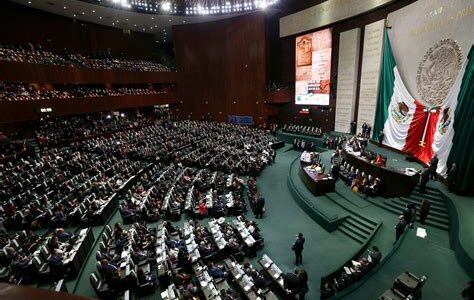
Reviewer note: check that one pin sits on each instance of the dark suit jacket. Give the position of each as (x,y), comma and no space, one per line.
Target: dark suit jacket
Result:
(298,245)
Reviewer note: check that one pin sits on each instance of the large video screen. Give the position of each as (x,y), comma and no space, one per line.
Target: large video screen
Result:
(313,68)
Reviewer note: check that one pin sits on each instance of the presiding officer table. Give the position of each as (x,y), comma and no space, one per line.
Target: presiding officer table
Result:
(394,182)
(318,183)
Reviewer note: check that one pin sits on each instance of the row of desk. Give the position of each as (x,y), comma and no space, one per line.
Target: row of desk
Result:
(394,182)
(246,283)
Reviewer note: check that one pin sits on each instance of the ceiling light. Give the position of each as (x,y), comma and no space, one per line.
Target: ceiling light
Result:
(166,6)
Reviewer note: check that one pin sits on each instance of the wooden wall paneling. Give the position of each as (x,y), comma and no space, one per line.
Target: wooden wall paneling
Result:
(221,63)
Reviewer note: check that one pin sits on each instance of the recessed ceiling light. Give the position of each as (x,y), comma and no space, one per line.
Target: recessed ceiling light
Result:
(29,2)
(93,11)
(64,7)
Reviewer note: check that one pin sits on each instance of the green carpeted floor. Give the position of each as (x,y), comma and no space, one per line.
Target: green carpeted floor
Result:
(325,251)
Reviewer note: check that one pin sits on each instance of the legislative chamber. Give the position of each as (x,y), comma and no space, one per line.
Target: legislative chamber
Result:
(236,149)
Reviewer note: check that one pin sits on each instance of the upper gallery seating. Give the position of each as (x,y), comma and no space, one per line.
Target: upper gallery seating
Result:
(29,92)
(35,54)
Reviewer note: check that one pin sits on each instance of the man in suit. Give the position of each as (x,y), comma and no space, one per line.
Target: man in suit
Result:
(259,206)
(291,284)
(400,228)
(298,247)
(433,166)
(425,177)
(452,173)
(375,255)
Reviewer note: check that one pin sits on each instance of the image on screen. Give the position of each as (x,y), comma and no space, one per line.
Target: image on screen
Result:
(313,68)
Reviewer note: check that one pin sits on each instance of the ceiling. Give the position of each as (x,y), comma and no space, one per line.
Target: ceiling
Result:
(160,25)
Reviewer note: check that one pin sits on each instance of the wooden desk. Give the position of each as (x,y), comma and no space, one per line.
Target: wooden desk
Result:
(394,183)
(317,184)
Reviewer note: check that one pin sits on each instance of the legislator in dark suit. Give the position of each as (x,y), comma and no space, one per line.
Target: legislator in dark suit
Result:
(298,247)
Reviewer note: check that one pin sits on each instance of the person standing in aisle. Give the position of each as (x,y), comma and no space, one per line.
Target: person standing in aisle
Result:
(298,247)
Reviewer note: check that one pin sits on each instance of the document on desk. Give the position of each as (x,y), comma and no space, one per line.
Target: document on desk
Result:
(421,232)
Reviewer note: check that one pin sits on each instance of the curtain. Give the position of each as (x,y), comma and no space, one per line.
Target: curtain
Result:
(387,79)
(463,140)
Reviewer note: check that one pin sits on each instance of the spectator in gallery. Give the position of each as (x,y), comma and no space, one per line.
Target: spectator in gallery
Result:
(452,173)
(424,211)
(400,228)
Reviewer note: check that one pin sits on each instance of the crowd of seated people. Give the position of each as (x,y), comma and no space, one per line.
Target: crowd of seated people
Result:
(30,92)
(27,257)
(231,149)
(350,273)
(358,146)
(305,130)
(126,261)
(62,187)
(303,145)
(16,256)
(359,181)
(52,131)
(74,184)
(215,194)
(333,143)
(10,147)
(35,54)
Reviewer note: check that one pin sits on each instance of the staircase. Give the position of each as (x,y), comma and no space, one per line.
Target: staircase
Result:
(438,216)
(357,228)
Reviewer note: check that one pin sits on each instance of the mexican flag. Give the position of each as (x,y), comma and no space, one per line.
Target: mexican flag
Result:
(445,129)
(410,126)
(407,124)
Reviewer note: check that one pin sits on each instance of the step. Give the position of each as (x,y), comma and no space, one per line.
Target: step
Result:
(349,234)
(353,232)
(431,217)
(428,191)
(433,209)
(434,206)
(359,226)
(364,221)
(428,197)
(432,221)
